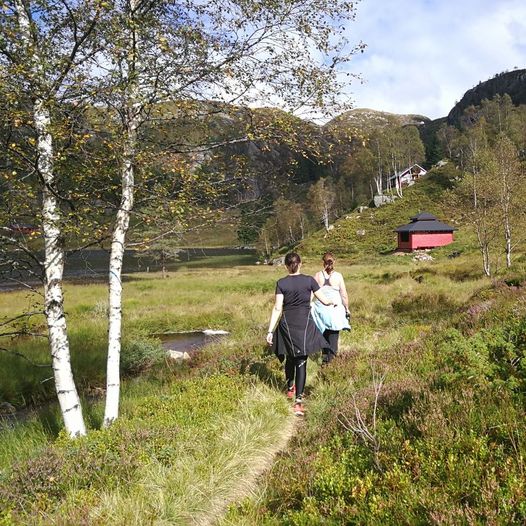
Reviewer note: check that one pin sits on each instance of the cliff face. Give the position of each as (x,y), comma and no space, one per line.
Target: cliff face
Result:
(513,83)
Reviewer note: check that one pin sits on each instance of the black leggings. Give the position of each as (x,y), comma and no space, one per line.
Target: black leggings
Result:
(296,369)
(329,352)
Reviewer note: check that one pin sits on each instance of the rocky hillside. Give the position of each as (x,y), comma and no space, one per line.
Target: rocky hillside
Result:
(512,82)
(367,120)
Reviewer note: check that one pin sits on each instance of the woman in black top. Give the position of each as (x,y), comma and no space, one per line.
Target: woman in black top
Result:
(296,335)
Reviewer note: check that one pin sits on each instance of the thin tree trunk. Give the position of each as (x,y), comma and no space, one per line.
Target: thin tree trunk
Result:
(378,182)
(507,236)
(506,198)
(68,397)
(379,178)
(326,218)
(122,221)
(54,269)
(486,261)
(120,229)
(267,245)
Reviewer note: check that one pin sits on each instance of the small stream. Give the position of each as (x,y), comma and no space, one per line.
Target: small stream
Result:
(178,343)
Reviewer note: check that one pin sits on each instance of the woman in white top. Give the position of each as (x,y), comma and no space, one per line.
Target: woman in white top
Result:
(332,320)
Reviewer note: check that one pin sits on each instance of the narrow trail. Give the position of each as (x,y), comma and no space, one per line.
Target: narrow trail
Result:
(260,464)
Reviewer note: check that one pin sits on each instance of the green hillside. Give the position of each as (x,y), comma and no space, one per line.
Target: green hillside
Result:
(371,232)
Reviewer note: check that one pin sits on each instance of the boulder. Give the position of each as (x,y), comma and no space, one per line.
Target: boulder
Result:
(178,355)
(381,200)
(423,257)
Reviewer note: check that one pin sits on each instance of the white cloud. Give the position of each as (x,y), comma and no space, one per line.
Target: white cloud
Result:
(422,55)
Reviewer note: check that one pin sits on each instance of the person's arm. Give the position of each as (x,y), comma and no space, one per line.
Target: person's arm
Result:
(326,301)
(274,317)
(343,294)
(319,278)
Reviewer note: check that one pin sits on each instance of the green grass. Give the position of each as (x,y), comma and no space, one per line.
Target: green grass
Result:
(193,438)
(450,422)
(184,453)
(194,444)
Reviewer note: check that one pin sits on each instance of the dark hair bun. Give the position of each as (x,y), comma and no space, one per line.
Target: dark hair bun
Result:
(292,262)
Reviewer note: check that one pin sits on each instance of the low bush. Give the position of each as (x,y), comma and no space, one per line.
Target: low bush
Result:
(496,356)
(139,355)
(449,435)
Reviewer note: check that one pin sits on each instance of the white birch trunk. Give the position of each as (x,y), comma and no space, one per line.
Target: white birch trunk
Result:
(379,186)
(122,221)
(483,246)
(326,217)
(68,398)
(507,186)
(486,261)
(267,245)
(399,191)
(379,177)
(507,236)
(53,296)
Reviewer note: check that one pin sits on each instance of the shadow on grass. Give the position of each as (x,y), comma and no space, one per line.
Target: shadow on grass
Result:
(261,370)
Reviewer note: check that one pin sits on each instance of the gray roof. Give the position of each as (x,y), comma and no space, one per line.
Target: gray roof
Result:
(425,222)
(424,216)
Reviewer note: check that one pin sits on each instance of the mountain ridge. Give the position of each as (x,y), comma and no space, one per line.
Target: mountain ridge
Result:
(512,83)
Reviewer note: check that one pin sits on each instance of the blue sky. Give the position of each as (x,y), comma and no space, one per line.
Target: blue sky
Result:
(422,55)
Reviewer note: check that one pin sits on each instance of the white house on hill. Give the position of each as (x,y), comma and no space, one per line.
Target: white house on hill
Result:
(407,177)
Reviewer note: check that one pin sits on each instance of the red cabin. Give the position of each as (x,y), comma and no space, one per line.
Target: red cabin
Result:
(424,231)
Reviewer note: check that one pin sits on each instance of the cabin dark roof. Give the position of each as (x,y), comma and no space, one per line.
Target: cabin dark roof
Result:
(424,216)
(425,222)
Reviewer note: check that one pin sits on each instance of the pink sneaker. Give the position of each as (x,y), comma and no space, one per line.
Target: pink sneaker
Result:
(298,409)
(291,392)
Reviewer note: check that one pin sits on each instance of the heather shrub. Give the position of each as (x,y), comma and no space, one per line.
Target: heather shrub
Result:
(152,432)
(139,355)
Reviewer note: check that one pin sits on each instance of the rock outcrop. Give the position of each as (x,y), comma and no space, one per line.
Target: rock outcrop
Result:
(512,83)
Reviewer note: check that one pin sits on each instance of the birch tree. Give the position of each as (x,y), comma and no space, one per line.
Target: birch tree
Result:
(321,198)
(479,191)
(286,53)
(511,194)
(42,48)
